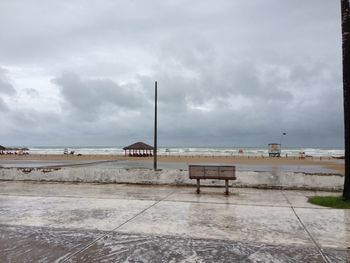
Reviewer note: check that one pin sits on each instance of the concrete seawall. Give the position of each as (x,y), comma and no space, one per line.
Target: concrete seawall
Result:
(273,180)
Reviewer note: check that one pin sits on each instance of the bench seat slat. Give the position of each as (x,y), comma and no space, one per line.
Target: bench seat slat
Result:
(212,172)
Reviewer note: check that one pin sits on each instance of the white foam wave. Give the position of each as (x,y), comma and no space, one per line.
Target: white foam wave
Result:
(192,151)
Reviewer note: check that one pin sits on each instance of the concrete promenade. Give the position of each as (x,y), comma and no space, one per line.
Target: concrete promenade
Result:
(65,222)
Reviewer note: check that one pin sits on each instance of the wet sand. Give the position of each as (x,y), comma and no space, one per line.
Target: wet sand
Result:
(292,163)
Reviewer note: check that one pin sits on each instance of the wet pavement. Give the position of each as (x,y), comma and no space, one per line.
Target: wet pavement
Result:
(13,163)
(62,222)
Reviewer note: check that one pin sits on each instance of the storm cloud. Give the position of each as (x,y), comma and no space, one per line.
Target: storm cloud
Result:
(5,86)
(230,73)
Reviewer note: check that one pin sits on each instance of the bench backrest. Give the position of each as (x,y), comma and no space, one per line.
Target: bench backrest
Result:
(227,172)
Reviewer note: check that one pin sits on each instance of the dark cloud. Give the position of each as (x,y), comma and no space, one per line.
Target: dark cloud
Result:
(90,98)
(6,90)
(5,85)
(32,92)
(247,103)
(3,106)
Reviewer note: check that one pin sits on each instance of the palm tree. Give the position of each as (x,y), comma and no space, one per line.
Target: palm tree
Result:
(346,90)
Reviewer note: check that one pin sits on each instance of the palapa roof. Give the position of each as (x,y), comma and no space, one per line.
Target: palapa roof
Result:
(138,146)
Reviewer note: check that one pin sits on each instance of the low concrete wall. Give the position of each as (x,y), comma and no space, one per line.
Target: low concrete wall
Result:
(279,180)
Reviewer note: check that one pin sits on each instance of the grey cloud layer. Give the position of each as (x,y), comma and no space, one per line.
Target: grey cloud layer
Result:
(229,72)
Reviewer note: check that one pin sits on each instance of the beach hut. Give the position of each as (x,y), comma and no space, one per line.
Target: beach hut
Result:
(139,149)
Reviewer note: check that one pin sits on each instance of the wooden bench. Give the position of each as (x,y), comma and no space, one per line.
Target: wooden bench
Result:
(218,172)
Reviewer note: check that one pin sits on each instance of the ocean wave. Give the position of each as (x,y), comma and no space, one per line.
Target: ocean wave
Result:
(192,151)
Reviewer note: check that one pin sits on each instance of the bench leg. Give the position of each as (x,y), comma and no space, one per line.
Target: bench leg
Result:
(226,187)
(198,186)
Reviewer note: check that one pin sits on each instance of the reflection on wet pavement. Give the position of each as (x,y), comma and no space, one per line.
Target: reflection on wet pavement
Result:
(61,222)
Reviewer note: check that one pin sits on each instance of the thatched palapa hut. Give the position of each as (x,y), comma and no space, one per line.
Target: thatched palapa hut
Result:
(139,149)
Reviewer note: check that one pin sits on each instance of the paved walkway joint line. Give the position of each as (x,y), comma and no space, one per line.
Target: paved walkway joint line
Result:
(319,248)
(111,231)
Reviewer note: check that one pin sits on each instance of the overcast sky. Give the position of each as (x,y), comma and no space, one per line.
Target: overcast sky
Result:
(230,73)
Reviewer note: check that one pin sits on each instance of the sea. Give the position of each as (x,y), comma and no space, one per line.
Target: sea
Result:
(195,151)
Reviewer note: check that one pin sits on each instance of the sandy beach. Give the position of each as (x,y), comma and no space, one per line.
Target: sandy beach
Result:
(327,163)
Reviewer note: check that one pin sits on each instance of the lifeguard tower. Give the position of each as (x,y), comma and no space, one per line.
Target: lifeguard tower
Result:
(274,150)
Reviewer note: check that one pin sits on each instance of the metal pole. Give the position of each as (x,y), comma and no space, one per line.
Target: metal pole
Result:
(226,187)
(345,14)
(283,134)
(198,186)
(155,128)
(281,138)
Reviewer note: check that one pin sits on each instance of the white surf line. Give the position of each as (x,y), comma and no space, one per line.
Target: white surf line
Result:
(319,248)
(111,231)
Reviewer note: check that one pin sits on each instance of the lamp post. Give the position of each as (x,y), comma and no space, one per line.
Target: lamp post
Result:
(283,134)
(155,128)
